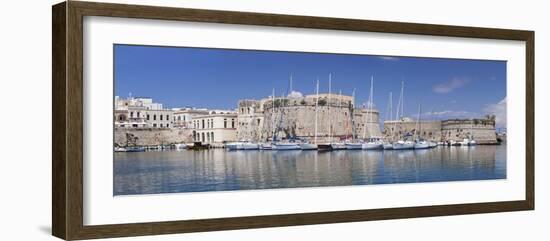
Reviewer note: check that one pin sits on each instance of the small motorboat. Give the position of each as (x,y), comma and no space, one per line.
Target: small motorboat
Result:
(421,145)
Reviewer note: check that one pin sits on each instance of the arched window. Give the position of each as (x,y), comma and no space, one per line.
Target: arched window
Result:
(212,136)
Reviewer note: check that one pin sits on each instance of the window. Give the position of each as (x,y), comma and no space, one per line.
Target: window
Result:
(167,117)
(154,117)
(160,117)
(212,136)
(134,125)
(224,123)
(232,123)
(155,125)
(160,124)
(167,125)
(202,136)
(147,116)
(203,126)
(131,114)
(138,114)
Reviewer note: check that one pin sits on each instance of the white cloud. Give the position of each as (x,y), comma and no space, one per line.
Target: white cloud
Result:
(388,58)
(449,86)
(295,94)
(499,110)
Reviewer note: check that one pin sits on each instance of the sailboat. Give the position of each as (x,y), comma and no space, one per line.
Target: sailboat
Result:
(339,145)
(401,144)
(286,145)
(353,144)
(269,145)
(420,142)
(370,143)
(307,145)
(387,144)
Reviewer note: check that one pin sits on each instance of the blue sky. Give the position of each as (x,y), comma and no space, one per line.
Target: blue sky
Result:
(218,78)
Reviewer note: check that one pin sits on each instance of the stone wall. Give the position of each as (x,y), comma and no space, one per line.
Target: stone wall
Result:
(481,130)
(299,121)
(151,136)
(428,130)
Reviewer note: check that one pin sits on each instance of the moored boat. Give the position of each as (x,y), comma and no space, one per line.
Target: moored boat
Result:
(403,145)
(338,146)
(387,146)
(308,146)
(284,146)
(421,145)
(180,146)
(354,146)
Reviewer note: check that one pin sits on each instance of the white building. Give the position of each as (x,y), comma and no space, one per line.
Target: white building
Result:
(183,117)
(215,127)
(141,113)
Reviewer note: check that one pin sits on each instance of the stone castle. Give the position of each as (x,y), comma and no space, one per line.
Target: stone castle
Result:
(337,118)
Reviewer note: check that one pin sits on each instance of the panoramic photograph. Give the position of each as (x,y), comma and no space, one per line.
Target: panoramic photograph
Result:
(190,119)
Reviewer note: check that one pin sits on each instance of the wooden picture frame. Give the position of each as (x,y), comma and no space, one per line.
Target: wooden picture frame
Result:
(67,123)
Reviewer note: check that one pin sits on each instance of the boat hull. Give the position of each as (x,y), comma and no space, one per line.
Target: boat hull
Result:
(421,145)
(388,146)
(286,147)
(372,146)
(338,146)
(354,146)
(403,146)
(308,146)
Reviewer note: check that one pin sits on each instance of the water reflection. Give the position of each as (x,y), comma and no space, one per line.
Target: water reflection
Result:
(218,169)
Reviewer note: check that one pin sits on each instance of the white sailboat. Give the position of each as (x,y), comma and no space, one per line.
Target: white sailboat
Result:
(401,144)
(307,145)
(286,145)
(420,143)
(370,143)
(269,145)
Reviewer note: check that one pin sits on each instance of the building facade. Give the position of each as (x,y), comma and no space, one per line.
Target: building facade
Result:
(183,117)
(141,113)
(215,127)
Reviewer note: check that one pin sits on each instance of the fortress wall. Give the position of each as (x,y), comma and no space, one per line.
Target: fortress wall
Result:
(299,121)
(151,136)
(483,131)
(428,130)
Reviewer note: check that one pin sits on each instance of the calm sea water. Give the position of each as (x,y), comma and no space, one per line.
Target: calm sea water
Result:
(221,170)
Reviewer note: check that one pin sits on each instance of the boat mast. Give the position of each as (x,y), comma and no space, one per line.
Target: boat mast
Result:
(339,107)
(273,116)
(329,114)
(370,103)
(316,105)
(399,104)
(417,126)
(351,114)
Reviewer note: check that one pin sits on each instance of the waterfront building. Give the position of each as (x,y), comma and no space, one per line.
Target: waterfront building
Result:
(183,117)
(218,126)
(141,112)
